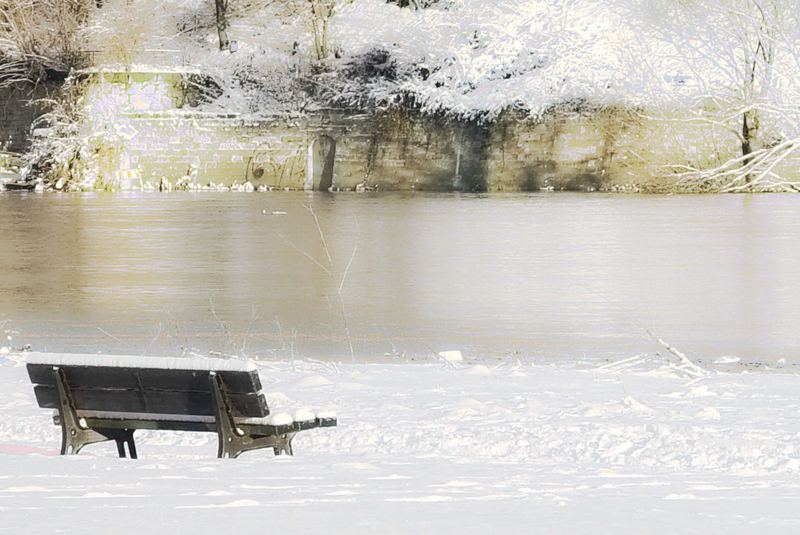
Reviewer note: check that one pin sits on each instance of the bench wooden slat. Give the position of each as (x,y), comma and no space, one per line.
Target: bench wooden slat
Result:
(236,382)
(152,425)
(180,425)
(152,401)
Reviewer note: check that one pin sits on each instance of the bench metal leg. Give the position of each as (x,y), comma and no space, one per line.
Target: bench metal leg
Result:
(233,441)
(284,444)
(132,446)
(228,435)
(122,437)
(75,436)
(73,440)
(121,448)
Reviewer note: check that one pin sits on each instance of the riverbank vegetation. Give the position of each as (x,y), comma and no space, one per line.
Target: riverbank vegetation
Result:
(734,66)
(42,39)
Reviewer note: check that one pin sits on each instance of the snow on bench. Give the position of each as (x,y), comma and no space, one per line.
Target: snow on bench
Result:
(132,361)
(108,397)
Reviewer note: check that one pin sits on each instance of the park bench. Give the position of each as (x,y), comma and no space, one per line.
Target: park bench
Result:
(103,397)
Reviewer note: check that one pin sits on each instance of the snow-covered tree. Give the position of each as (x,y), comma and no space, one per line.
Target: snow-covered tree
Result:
(221,12)
(476,58)
(733,65)
(321,13)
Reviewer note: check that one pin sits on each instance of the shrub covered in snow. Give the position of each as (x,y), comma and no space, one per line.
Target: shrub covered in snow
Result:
(41,38)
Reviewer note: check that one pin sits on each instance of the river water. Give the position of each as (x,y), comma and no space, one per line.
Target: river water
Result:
(575,276)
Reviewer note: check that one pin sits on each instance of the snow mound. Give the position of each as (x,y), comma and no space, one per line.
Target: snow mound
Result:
(708,413)
(479,370)
(280,418)
(728,359)
(451,356)
(303,415)
(313,381)
(636,407)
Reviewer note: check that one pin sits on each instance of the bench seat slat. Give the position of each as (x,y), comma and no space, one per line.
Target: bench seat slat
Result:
(152,401)
(236,382)
(146,422)
(151,425)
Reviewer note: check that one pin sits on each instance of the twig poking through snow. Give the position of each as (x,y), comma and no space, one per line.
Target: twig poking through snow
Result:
(621,365)
(686,365)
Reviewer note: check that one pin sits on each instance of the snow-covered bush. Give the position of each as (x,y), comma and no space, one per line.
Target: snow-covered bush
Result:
(67,153)
(41,38)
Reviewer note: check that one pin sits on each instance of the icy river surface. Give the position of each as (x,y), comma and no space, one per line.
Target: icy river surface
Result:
(540,275)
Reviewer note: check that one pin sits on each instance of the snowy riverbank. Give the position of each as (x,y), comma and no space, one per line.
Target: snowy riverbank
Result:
(635,448)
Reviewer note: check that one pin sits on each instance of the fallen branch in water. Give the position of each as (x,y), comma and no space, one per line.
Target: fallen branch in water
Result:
(751,172)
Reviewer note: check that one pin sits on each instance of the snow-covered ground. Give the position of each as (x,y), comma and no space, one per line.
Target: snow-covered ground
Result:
(438,448)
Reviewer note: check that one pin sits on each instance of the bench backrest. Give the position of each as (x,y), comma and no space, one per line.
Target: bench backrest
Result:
(147,390)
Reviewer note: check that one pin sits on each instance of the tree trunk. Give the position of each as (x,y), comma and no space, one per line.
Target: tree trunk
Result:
(322,11)
(222,23)
(750,125)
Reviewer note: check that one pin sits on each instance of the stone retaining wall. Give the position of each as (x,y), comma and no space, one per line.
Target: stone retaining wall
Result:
(17,114)
(161,135)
